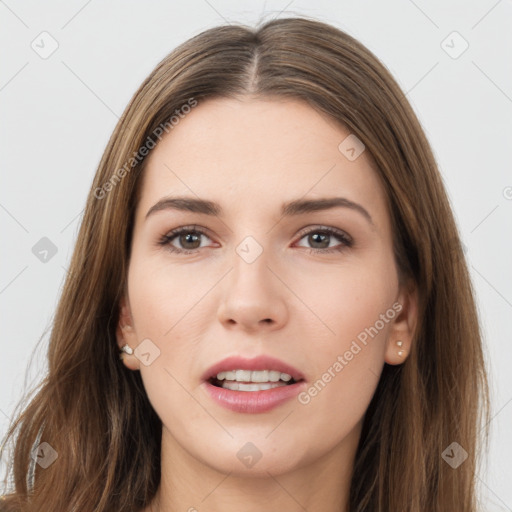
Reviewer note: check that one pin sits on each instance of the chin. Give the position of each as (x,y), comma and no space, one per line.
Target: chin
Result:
(254,457)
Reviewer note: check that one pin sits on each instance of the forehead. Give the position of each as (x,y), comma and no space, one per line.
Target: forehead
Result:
(254,153)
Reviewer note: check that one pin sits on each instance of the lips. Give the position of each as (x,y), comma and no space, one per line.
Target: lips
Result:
(252,385)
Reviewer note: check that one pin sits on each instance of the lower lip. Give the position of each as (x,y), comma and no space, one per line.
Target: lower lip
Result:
(253,402)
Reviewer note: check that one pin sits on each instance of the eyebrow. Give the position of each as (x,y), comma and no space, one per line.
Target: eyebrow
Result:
(296,207)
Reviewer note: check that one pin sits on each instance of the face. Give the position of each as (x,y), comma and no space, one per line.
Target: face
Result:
(309,293)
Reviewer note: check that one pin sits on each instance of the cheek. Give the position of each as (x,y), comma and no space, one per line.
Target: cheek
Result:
(167,309)
(343,300)
(347,372)
(356,308)
(162,294)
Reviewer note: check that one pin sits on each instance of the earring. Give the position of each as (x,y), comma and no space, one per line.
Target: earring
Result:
(400,352)
(126,349)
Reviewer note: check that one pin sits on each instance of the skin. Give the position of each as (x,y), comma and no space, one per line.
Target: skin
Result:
(305,308)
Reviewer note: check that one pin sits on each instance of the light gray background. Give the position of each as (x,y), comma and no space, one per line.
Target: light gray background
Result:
(58,113)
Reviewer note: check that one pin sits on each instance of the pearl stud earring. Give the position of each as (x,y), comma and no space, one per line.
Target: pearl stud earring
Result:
(126,349)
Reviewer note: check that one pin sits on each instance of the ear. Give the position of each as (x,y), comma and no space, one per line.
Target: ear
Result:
(125,334)
(403,326)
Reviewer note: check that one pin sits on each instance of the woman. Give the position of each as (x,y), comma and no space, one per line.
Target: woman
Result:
(269,248)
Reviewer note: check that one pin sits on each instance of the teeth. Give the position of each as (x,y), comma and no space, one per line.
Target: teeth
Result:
(243,376)
(242,386)
(260,376)
(274,376)
(263,376)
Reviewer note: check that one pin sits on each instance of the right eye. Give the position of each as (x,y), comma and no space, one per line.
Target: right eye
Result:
(189,238)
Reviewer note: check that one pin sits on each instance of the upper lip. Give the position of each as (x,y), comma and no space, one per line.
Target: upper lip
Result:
(261,362)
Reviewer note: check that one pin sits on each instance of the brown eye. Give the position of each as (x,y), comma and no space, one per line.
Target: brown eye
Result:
(183,240)
(320,239)
(189,240)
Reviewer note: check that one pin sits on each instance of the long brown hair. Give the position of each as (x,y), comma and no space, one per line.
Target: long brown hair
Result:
(95,413)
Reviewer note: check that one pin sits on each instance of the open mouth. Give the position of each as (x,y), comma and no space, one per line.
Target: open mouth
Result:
(251,380)
(254,385)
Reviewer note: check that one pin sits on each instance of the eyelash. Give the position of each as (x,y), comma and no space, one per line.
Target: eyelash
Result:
(346,241)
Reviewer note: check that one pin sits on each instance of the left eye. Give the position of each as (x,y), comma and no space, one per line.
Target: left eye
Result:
(321,240)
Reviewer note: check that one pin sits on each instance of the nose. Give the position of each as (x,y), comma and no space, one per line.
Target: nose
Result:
(253,298)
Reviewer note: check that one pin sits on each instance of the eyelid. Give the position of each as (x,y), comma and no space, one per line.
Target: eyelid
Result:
(322,228)
(173,233)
